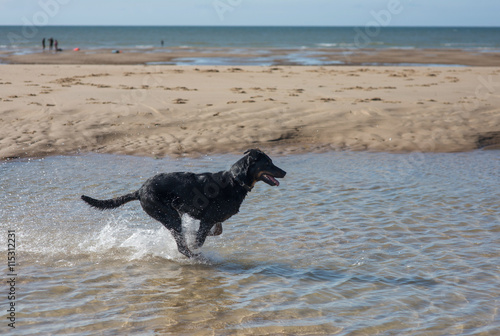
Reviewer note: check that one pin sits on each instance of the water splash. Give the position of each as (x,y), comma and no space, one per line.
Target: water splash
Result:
(123,240)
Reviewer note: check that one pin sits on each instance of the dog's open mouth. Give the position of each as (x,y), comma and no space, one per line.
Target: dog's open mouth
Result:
(269,179)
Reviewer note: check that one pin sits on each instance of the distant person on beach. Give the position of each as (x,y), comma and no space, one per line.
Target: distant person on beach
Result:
(162,43)
(51,43)
(43,44)
(55,45)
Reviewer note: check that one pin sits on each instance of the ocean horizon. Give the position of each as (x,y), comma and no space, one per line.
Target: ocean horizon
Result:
(29,38)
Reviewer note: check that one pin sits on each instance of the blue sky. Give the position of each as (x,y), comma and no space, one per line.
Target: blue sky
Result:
(252,12)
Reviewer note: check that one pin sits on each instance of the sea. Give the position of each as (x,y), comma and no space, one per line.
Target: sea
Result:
(350,243)
(260,41)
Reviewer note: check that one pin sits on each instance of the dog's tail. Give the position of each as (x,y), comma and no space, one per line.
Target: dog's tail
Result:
(111,203)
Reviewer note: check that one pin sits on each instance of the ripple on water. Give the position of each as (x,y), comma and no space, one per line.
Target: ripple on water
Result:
(350,243)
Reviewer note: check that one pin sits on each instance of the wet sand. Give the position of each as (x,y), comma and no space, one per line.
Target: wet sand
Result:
(173,56)
(160,110)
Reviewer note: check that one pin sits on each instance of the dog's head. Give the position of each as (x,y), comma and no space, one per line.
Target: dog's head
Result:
(256,166)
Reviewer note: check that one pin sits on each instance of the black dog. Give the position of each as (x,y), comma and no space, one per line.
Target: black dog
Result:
(209,197)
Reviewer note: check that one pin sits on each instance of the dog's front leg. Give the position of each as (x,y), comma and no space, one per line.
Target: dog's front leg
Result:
(202,233)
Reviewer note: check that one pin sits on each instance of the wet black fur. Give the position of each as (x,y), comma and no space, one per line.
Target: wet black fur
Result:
(211,198)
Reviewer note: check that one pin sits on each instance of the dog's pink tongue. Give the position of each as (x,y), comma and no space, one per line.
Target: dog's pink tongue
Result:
(275,181)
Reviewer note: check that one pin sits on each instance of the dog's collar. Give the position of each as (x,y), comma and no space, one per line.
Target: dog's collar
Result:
(241,183)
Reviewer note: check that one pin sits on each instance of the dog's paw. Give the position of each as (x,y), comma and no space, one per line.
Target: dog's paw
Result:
(216,230)
(200,258)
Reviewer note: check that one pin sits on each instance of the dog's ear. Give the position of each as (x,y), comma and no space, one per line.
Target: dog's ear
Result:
(253,153)
(252,156)
(240,168)
(257,150)
(250,151)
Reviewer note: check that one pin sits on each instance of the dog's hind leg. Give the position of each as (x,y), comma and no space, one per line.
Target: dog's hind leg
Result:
(181,243)
(171,219)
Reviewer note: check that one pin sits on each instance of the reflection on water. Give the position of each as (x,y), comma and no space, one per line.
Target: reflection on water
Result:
(350,243)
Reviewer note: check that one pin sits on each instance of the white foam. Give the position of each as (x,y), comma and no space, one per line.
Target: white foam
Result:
(120,239)
(327,45)
(143,243)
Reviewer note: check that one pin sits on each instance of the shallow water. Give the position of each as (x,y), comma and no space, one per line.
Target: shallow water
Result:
(348,244)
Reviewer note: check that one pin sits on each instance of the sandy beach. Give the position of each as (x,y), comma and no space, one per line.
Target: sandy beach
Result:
(158,110)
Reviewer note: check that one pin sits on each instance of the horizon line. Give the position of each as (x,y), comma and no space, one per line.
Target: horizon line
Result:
(248,26)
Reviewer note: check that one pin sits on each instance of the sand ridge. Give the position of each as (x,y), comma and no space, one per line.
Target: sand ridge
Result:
(160,110)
